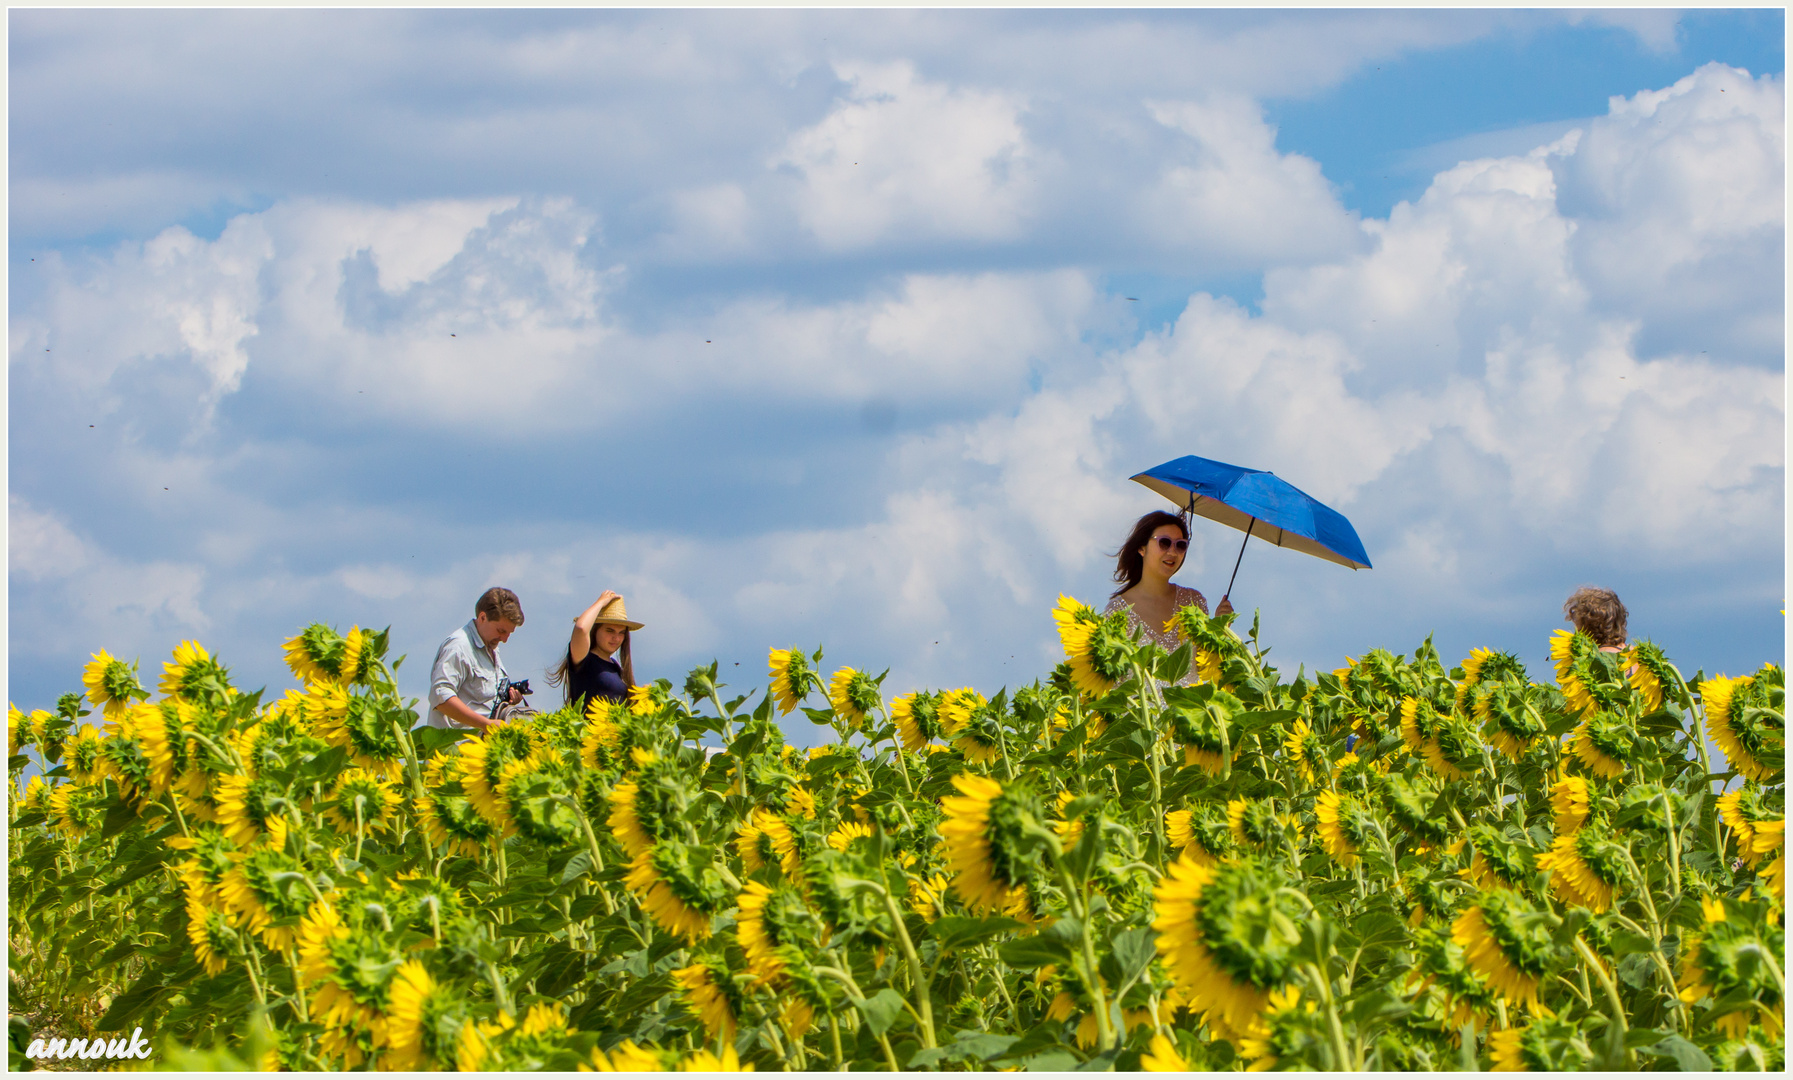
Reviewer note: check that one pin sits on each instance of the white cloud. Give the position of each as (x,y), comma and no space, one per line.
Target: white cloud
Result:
(1235,198)
(85,597)
(1680,200)
(903,157)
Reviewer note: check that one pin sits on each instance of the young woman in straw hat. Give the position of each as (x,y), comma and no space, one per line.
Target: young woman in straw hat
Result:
(597,660)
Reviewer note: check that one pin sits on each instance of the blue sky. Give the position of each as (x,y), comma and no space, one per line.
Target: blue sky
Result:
(847,327)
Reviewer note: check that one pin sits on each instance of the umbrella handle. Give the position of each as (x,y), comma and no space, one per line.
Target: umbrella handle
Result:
(1240,559)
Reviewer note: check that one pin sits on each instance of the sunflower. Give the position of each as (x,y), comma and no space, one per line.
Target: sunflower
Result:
(771,925)
(111,683)
(1472,674)
(361,725)
(1603,743)
(537,792)
(1203,833)
(1228,936)
(453,825)
(21,730)
(473,1047)
(646,700)
(1417,724)
(191,668)
(982,830)
(601,743)
(346,972)
(1742,727)
(361,802)
(792,677)
(1720,963)
(1278,1032)
(846,834)
(415,1001)
(1569,804)
(1210,640)
(624,1057)
(76,809)
(854,695)
(209,930)
(1498,862)
(1255,824)
(917,719)
(84,755)
(706,1061)
(1162,1056)
(267,888)
(973,724)
(1345,826)
(708,996)
(161,731)
(249,809)
(1508,944)
(1305,751)
(677,887)
(1570,650)
(927,896)
(1511,723)
(355,656)
(314,654)
(1649,672)
(1098,648)
(1442,966)
(1546,1044)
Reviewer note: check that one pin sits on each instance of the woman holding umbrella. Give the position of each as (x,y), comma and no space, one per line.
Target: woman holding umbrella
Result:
(1153,553)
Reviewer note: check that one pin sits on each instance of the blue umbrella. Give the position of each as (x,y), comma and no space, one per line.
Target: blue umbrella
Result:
(1256,501)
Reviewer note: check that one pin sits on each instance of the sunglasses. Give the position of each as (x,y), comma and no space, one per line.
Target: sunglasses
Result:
(1165,543)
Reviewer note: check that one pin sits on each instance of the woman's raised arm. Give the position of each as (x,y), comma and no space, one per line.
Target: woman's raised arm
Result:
(580,645)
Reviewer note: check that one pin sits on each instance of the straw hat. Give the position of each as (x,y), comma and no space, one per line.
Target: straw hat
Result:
(616,614)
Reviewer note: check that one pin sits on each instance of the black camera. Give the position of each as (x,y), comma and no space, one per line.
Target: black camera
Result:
(505,686)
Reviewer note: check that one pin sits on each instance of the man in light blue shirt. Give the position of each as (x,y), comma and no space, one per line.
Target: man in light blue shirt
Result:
(464,679)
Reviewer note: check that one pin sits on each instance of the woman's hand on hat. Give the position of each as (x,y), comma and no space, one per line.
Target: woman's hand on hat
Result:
(605,597)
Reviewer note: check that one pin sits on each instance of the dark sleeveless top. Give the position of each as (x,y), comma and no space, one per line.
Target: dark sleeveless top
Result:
(595,677)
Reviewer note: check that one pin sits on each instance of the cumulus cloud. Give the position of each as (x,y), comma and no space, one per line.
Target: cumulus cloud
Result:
(1559,360)
(1233,197)
(903,156)
(1680,201)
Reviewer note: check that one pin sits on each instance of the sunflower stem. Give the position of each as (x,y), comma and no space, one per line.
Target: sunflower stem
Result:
(1335,1031)
(923,999)
(1592,963)
(597,857)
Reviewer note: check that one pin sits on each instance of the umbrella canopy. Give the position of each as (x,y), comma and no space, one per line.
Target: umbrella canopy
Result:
(1259,504)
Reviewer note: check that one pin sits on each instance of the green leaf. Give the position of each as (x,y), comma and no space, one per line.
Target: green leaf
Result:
(576,867)
(1037,950)
(881,1010)
(430,741)
(957,931)
(1172,668)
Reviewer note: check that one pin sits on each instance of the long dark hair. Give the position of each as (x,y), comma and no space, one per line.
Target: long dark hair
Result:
(1130,565)
(561,674)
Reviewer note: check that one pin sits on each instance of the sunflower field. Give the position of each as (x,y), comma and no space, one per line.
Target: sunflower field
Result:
(1145,860)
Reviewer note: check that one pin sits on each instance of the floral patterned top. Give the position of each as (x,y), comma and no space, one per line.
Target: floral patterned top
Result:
(1166,639)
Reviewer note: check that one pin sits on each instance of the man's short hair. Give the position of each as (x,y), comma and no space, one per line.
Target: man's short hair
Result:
(1599,613)
(498,603)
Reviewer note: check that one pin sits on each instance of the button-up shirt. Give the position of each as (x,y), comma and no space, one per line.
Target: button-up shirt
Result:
(466,669)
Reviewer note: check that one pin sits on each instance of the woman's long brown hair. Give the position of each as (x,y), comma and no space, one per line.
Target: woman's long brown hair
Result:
(1131,565)
(561,674)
